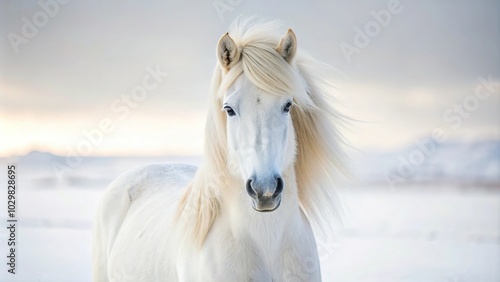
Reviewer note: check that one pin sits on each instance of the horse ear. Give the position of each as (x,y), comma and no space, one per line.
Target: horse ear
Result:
(227,52)
(287,46)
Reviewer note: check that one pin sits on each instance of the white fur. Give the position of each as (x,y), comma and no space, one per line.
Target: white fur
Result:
(170,223)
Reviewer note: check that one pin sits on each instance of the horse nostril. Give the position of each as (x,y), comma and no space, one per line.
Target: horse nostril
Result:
(250,189)
(279,187)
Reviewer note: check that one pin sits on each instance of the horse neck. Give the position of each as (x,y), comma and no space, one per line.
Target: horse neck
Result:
(246,223)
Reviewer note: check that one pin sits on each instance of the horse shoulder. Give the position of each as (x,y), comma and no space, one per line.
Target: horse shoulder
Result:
(154,178)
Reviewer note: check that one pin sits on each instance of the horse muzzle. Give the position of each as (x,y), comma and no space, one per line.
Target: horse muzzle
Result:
(265,198)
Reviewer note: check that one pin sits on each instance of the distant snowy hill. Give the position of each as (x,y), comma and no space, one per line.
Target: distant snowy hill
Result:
(458,162)
(46,170)
(453,162)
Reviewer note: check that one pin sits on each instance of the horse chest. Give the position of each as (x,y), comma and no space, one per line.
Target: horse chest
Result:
(228,258)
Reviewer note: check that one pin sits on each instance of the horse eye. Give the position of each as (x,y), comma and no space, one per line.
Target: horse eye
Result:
(230,112)
(287,107)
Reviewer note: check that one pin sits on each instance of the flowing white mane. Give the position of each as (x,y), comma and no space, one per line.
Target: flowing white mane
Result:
(319,153)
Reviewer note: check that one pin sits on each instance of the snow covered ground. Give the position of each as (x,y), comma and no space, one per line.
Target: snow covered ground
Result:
(421,232)
(418,235)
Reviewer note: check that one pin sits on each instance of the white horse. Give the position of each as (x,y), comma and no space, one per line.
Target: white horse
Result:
(271,152)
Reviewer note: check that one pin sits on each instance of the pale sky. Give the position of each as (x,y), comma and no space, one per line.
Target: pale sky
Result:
(68,77)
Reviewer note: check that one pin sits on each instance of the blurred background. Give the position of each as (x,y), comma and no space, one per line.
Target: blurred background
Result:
(89,89)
